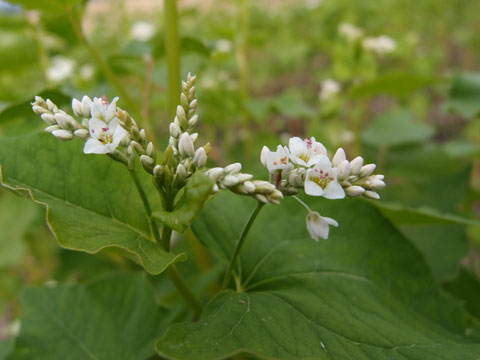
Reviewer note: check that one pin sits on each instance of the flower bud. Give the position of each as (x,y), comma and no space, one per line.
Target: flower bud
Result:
(261,198)
(86,106)
(376,184)
(182,117)
(39,110)
(52,128)
(62,134)
(184,101)
(249,187)
(143,135)
(77,107)
(147,163)
(138,148)
(233,169)
(339,157)
(295,180)
(355,165)
(193,121)
(244,177)
(215,173)
(379,177)
(40,101)
(354,191)
(158,173)
(48,118)
(150,151)
(62,120)
(230,180)
(194,136)
(193,104)
(367,170)
(215,188)
(81,133)
(200,157)
(185,145)
(371,195)
(181,172)
(51,106)
(175,130)
(343,170)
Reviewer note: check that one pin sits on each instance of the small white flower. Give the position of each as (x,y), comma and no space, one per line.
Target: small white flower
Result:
(329,88)
(350,31)
(322,180)
(200,157)
(142,31)
(380,45)
(185,145)
(317,225)
(306,152)
(60,69)
(276,161)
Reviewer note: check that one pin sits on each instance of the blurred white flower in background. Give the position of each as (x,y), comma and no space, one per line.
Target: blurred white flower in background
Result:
(87,71)
(328,89)
(223,46)
(142,31)
(380,45)
(313,4)
(350,31)
(60,69)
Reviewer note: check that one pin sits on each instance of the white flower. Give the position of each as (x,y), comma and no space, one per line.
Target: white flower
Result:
(381,45)
(329,88)
(277,161)
(60,69)
(351,32)
(142,31)
(322,180)
(306,152)
(317,225)
(105,131)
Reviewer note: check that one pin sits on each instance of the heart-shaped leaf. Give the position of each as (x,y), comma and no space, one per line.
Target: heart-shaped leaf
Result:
(365,293)
(91,202)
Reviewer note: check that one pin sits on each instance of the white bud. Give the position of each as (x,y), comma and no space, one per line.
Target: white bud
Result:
(230,180)
(181,171)
(52,128)
(194,137)
(200,157)
(86,106)
(371,195)
(85,123)
(143,135)
(295,180)
(376,184)
(49,118)
(367,170)
(39,101)
(261,198)
(62,134)
(244,177)
(355,165)
(215,173)
(175,130)
(263,155)
(39,110)
(249,187)
(379,177)
(81,133)
(147,161)
(215,188)
(233,169)
(62,120)
(77,107)
(150,151)
(339,157)
(354,191)
(185,145)
(182,117)
(343,170)
(193,104)
(51,106)
(193,121)
(172,142)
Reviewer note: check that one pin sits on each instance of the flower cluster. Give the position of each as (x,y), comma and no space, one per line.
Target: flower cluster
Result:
(380,45)
(108,129)
(304,164)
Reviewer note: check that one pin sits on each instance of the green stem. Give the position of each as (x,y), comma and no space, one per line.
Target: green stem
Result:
(172,43)
(102,64)
(146,204)
(172,271)
(239,245)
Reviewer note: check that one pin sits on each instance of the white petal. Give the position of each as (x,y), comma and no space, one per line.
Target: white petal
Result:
(95,126)
(118,135)
(313,189)
(98,109)
(334,191)
(297,145)
(263,155)
(323,163)
(111,110)
(94,146)
(330,221)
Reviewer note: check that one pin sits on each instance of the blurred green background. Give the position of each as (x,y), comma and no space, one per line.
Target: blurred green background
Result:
(397,82)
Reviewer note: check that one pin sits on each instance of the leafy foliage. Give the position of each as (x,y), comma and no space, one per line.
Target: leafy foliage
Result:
(302,299)
(91,202)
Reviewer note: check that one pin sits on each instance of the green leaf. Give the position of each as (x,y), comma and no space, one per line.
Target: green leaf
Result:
(365,293)
(197,190)
(115,317)
(464,94)
(394,84)
(466,287)
(397,127)
(91,202)
(6,348)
